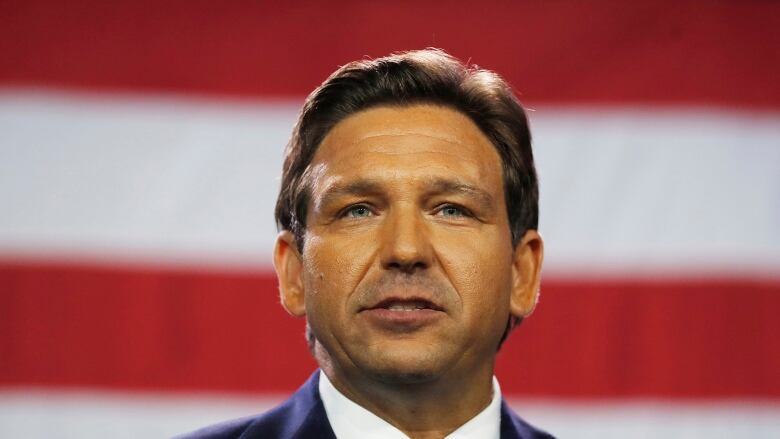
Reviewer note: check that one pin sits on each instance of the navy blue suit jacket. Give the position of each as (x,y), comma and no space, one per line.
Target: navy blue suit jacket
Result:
(303,417)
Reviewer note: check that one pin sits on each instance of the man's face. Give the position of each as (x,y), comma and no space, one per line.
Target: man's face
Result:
(407,270)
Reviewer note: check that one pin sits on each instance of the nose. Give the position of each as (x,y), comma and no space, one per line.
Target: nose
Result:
(406,246)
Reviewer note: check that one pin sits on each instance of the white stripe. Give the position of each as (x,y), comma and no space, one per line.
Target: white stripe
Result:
(624,190)
(652,419)
(140,178)
(659,190)
(85,415)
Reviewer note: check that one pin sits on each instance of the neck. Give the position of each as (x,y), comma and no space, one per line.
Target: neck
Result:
(429,409)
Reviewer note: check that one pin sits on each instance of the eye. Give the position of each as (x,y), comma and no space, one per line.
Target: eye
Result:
(357,211)
(451,210)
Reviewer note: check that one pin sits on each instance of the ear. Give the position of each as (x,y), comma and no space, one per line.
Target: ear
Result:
(289,271)
(526,274)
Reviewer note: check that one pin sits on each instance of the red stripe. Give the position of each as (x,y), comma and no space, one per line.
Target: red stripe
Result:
(682,51)
(151,329)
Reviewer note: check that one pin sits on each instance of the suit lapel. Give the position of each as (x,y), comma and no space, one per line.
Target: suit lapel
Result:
(309,405)
(302,416)
(316,424)
(511,428)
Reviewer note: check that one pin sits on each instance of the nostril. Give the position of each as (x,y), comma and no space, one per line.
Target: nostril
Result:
(406,267)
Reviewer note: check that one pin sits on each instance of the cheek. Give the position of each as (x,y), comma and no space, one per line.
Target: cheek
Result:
(480,270)
(333,267)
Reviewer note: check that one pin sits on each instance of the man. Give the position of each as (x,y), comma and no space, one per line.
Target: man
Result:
(408,214)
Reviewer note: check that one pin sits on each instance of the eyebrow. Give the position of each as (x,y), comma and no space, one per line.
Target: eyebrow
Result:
(433,186)
(356,187)
(447,186)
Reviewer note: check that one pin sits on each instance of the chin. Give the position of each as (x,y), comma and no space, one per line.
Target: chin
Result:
(397,377)
(405,369)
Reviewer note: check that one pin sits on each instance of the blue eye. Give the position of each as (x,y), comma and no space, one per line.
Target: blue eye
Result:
(358,211)
(450,210)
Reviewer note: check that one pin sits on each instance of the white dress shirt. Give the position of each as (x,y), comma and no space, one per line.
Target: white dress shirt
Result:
(351,421)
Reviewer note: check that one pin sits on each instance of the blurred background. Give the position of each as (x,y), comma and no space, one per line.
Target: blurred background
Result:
(140,153)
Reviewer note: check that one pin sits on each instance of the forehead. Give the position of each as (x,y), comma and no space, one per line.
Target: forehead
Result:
(408,143)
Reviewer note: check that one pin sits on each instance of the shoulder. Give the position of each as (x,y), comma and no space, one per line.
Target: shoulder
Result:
(513,426)
(302,412)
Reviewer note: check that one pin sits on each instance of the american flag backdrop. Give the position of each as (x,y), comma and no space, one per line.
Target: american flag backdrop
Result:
(140,154)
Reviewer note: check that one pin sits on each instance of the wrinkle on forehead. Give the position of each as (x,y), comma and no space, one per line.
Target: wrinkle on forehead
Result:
(417,141)
(430,121)
(401,133)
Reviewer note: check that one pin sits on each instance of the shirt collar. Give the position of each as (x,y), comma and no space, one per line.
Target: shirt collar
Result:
(351,421)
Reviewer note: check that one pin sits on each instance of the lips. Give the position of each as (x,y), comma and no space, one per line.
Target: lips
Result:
(406,305)
(403,314)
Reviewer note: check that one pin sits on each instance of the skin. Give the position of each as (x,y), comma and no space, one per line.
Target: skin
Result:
(408,203)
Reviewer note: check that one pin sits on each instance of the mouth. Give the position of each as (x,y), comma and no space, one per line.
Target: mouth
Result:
(403,315)
(406,305)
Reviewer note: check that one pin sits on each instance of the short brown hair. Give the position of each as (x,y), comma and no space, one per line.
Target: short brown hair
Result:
(420,76)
